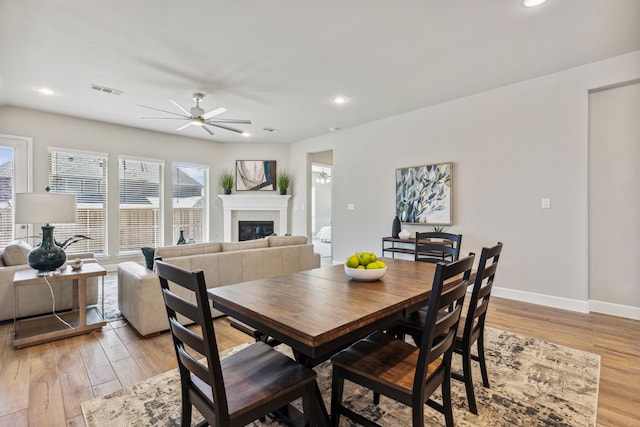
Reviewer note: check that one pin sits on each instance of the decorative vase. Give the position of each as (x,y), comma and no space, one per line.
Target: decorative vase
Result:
(181,240)
(48,256)
(395,229)
(283,192)
(227,191)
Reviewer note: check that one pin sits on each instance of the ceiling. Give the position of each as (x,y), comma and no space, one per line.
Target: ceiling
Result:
(280,63)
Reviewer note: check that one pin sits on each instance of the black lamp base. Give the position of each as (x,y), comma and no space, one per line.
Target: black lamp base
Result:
(48,256)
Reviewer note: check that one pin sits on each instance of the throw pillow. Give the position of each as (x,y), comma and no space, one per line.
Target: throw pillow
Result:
(16,253)
(149,254)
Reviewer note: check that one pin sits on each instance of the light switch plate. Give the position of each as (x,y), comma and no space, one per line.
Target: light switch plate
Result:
(546,203)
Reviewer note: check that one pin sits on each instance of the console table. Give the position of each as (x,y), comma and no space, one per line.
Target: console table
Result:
(406,246)
(82,319)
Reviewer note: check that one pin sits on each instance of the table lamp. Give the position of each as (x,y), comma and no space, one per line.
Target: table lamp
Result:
(45,208)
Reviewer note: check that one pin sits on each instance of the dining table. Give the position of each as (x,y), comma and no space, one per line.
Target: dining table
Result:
(318,312)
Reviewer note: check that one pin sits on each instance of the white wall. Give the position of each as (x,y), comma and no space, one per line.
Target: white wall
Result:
(510,147)
(53,130)
(614,197)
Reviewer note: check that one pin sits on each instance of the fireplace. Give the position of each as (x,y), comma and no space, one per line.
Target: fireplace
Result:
(251,230)
(255,207)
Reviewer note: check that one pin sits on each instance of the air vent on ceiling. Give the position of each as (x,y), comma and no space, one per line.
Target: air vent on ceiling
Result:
(271,130)
(106,89)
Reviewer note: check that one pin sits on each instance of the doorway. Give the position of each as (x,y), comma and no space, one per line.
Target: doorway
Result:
(614,200)
(321,205)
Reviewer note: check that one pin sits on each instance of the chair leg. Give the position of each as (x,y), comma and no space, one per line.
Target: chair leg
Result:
(481,360)
(337,388)
(186,412)
(309,404)
(376,398)
(446,401)
(417,414)
(468,380)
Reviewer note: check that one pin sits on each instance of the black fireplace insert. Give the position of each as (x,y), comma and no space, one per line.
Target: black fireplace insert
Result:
(251,230)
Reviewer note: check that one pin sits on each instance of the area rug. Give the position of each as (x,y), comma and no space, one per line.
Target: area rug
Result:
(111,309)
(533,383)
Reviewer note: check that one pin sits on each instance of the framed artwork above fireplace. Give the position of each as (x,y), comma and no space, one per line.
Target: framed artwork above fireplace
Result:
(255,175)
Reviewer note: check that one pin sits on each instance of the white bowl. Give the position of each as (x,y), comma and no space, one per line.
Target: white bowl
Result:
(365,275)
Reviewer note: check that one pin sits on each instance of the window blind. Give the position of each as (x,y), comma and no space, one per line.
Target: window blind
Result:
(141,203)
(85,175)
(190,194)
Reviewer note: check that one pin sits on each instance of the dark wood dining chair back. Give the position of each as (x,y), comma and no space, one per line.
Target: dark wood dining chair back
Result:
(445,247)
(472,327)
(239,389)
(397,369)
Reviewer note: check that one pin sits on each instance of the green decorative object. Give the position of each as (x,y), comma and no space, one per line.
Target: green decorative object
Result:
(226,180)
(284,179)
(181,240)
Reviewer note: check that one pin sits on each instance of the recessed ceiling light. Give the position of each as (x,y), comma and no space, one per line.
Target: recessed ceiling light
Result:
(532,3)
(340,100)
(246,134)
(45,91)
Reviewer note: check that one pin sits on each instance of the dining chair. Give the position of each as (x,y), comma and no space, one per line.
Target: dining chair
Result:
(445,247)
(234,391)
(401,371)
(471,327)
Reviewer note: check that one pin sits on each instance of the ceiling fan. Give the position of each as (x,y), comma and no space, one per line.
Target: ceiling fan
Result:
(197,117)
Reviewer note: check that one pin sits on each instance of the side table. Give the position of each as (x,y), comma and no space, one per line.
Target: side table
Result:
(82,319)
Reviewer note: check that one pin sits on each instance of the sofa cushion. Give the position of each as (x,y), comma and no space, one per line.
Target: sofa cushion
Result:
(175,251)
(249,244)
(275,241)
(16,253)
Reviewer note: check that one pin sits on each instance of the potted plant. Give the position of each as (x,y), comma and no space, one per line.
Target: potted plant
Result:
(438,229)
(284,179)
(226,180)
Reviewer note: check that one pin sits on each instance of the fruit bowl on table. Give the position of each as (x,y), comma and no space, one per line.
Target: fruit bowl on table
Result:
(364,275)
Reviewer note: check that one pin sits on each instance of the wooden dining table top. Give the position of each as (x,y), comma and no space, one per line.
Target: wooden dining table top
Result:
(319,311)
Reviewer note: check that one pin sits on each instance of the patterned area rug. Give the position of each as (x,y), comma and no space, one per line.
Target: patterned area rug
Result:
(533,383)
(111,310)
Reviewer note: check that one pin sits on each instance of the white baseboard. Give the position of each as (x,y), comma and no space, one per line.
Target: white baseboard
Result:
(619,310)
(546,300)
(615,309)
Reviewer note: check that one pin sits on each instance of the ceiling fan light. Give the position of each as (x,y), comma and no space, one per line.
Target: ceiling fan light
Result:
(532,3)
(197,121)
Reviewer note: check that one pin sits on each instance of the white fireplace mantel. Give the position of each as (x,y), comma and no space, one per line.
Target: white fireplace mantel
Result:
(254,202)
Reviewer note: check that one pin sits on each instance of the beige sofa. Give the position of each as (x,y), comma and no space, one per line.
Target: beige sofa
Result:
(139,296)
(36,299)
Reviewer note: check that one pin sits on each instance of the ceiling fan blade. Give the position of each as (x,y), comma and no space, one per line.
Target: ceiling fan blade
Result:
(180,107)
(165,111)
(225,127)
(213,113)
(185,126)
(166,118)
(238,121)
(207,129)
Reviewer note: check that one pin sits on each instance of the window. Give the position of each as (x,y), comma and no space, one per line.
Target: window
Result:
(85,175)
(7,190)
(190,195)
(141,203)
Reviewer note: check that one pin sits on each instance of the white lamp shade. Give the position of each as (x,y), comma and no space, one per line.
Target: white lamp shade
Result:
(45,208)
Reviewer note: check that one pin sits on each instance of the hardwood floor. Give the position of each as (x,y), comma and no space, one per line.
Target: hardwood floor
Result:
(44,385)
